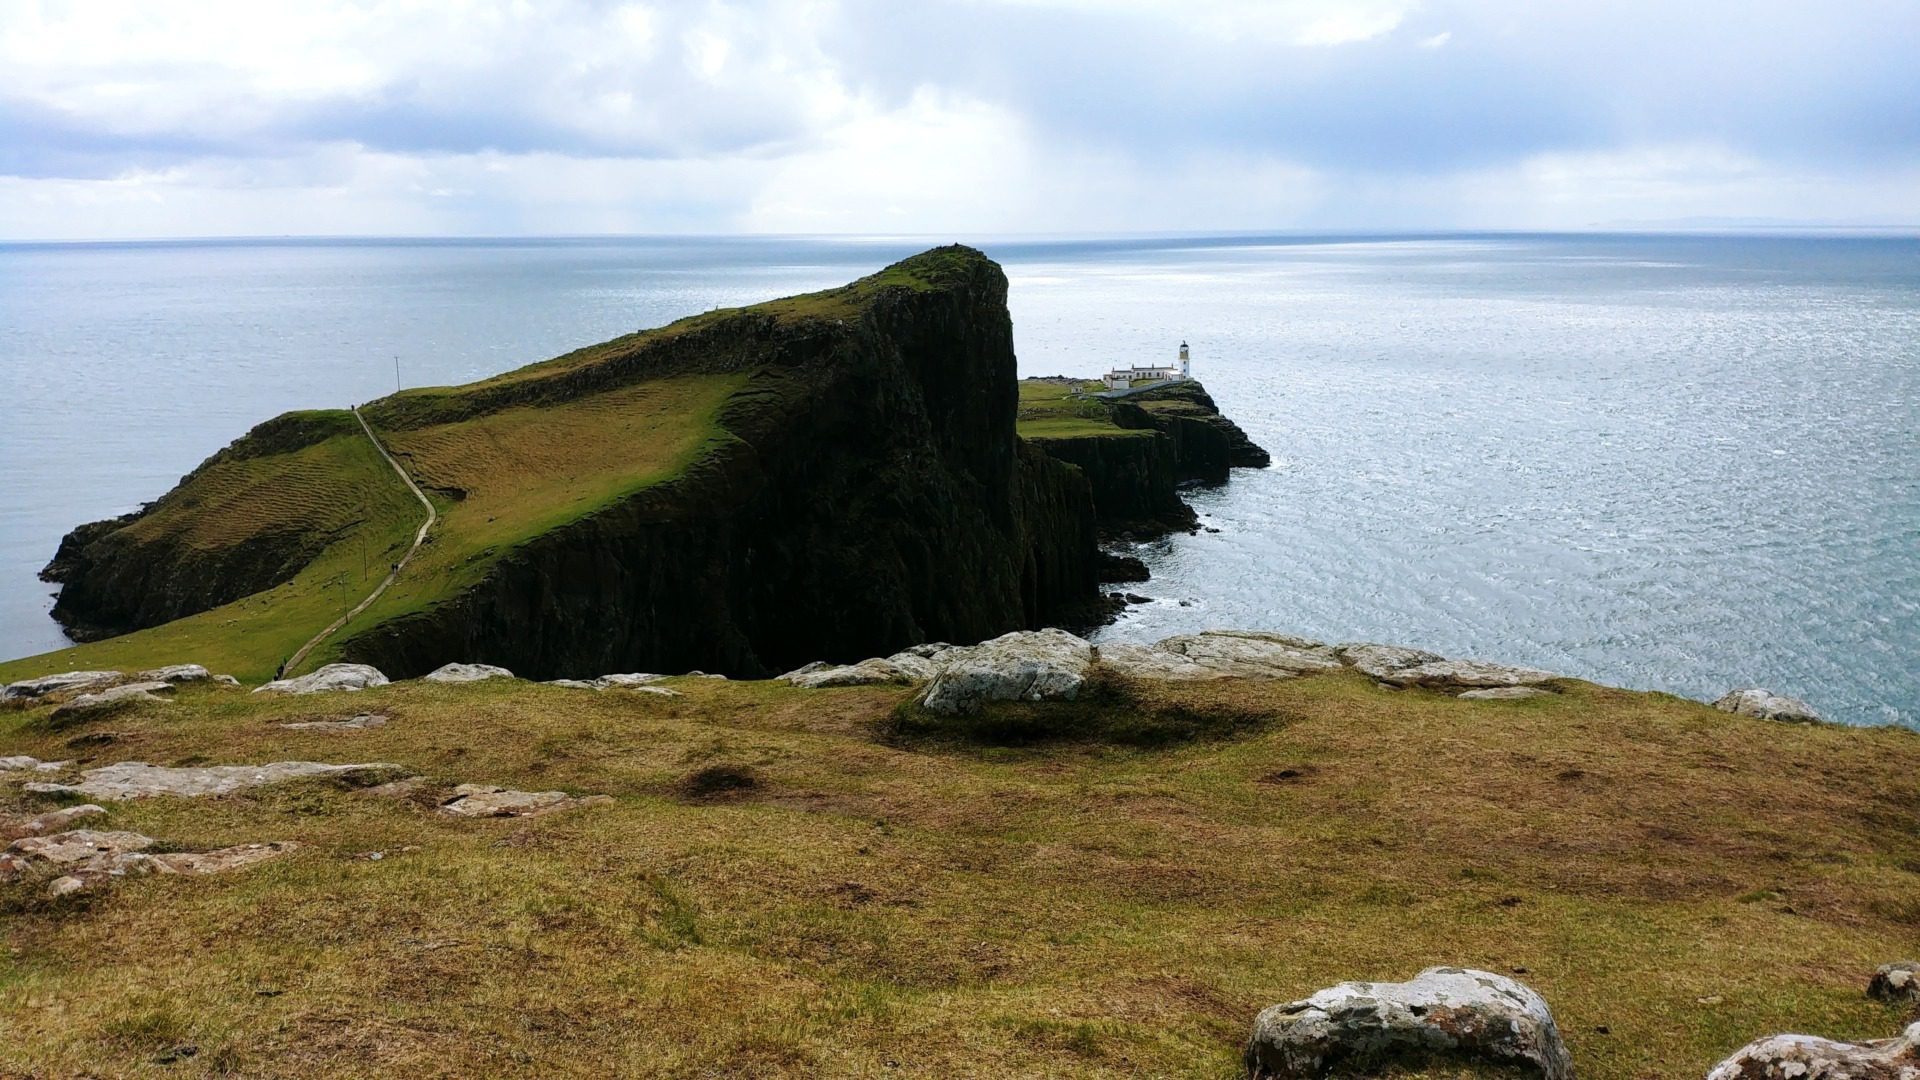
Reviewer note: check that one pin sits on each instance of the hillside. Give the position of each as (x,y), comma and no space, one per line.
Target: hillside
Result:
(831,474)
(790,882)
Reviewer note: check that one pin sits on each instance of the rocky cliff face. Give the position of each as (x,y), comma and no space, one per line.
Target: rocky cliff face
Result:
(869,494)
(1168,437)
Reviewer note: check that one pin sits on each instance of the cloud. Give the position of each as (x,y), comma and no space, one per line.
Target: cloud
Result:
(121,118)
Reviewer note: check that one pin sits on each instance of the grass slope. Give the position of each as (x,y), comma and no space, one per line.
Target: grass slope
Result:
(1675,880)
(1048,412)
(506,459)
(339,489)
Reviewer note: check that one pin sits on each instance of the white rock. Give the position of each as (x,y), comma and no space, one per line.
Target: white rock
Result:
(901,668)
(1806,1057)
(626,681)
(1142,662)
(1506,693)
(124,694)
(1767,705)
(330,677)
(1026,665)
(1466,673)
(139,780)
(65,885)
(1443,1016)
(1379,661)
(226,680)
(175,673)
(572,684)
(54,684)
(52,821)
(1252,653)
(465,673)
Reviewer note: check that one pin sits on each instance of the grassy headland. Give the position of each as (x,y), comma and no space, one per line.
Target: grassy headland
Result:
(855,901)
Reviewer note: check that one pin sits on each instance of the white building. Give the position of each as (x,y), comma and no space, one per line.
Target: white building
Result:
(1128,377)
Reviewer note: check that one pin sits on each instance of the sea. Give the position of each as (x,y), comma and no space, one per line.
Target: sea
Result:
(1672,462)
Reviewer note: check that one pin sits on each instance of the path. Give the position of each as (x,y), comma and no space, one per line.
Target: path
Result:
(419,538)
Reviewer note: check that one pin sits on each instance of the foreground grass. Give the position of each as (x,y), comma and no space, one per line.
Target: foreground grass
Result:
(878,906)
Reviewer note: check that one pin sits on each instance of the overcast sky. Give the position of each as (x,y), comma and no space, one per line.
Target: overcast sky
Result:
(953,117)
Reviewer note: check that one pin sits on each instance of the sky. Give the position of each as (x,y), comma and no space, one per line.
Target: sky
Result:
(955,117)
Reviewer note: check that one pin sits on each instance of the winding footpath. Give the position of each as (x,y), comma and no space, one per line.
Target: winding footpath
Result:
(293,663)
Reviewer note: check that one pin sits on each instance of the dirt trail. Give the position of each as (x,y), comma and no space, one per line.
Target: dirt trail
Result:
(293,663)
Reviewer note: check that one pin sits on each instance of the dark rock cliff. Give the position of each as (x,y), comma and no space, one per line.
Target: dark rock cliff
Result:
(1136,477)
(877,498)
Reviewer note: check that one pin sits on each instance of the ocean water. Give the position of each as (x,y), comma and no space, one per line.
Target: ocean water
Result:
(1675,463)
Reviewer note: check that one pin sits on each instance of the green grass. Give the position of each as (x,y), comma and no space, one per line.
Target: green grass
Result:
(1048,411)
(339,489)
(1063,908)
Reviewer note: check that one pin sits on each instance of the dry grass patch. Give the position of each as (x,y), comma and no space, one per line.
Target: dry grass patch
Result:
(936,907)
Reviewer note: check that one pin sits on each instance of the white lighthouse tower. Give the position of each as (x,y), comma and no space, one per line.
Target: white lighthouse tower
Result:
(1186,362)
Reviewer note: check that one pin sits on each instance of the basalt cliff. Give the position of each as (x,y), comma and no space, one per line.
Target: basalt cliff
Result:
(837,474)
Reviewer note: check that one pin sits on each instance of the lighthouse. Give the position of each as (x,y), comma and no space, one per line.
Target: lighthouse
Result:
(1186,362)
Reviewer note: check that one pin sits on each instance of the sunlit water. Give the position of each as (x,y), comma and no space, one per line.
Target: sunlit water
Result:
(1674,463)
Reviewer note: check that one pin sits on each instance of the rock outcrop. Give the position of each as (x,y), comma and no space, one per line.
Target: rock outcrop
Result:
(1767,705)
(1028,665)
(466,673)
(1897,983)
(1807,1057)
(1443,1017)
(113,699)
(67,681)
(330,677)
(486,800)
(1253,653)
(86,858)
(139,780)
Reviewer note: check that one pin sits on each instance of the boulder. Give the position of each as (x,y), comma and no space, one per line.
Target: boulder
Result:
(1505,693)
(1466,674)
(573,684)
(1806,1057)
(112,700)
(1143,662)
(1767,705)
(1439,1018)
(139,780)
(1253,654)
(1897,983)
(465,673)
(1026,665)
(55,684)
(175,673)
(355,723)
(330,677)
(927,651)
(226,680)
(486,800)
(1379,661)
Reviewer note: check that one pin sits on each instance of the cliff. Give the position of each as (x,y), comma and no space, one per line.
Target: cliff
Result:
(1137,451)
(828,475)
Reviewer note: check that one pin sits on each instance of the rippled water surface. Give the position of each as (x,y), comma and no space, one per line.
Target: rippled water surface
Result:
(1681,463)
